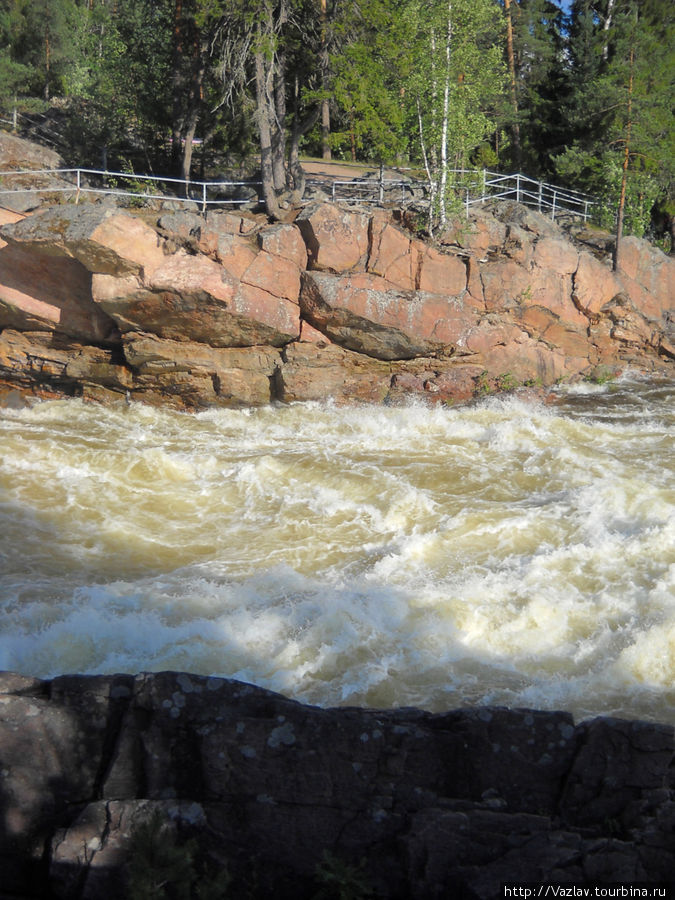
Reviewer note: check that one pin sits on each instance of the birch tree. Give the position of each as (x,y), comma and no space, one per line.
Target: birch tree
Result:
(457,76)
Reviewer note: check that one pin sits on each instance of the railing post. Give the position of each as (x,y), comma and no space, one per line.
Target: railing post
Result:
(203,198)
(467,203)
(555,195)
(381,182)
(518,187)
(484,188)
(332,188)
(541,190)
(585,210)
(79,184)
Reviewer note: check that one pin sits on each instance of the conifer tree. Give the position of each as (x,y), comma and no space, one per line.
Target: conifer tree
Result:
(620,109)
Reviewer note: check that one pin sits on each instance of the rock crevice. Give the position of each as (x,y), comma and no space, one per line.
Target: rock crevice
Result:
(435,805)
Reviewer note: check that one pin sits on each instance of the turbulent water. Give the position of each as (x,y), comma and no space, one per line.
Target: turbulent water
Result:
(513,552)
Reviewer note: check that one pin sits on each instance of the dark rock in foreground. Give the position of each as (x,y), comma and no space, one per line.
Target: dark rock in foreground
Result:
(427,805)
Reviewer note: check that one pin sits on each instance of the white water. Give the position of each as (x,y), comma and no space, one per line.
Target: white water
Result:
(509,553)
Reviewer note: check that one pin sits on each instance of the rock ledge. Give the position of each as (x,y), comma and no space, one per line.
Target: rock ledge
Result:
(429,805)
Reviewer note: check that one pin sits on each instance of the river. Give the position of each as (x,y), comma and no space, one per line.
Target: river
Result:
(513,552)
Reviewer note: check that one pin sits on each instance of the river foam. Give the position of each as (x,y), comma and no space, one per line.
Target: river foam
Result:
(512,552)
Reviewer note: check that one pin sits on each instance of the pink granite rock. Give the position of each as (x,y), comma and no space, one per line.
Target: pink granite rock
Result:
(393,256)
(284,241)
(102,239)
(276,275)
(336,238)
(441,273)
(40,292)
(360,314)
(594,283)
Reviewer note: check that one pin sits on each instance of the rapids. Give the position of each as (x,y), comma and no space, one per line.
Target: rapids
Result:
(510,552)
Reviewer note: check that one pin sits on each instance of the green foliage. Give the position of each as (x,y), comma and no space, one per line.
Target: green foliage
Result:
(620,86)
(483,385)
(539,56)
(600,375)
(420,81)
(453,76)
(507,382)
(160,868)
(370,117)
(340,880)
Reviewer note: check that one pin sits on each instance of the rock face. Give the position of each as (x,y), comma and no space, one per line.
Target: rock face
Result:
(347,304)
(418,805)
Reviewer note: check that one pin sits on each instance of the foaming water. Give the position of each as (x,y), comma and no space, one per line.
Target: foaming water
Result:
(509,553)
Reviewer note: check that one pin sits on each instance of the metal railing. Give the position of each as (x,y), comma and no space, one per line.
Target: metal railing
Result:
(539,195)
(126,184)
(472,187)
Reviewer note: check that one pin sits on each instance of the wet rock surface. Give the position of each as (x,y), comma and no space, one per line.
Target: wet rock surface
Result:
(421,805)
(502,300)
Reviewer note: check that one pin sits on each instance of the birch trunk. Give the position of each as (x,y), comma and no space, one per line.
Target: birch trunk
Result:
(626,159)
(443,183)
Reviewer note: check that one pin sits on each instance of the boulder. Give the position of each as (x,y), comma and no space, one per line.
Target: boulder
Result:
(45,293)
(284,241)
(314,371)
(649,267)
(226,221)
(336,239)
(393,255)
(44,360)
(241,786)
(480,233)
(557,255)
(234,252)
(232,377)
(275,275)
(447,381)
(364,314)
(441,273)
(104,240)
(195,299)
(594,284)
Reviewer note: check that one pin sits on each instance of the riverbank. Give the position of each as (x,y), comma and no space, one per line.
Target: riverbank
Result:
(338,303)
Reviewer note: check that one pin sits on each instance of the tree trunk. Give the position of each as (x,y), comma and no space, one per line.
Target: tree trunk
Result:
(430,176)
(48,65)
(443,183)
(607,24)
(511,59)
(264,114)
(177,89)
(278,76)
(296,171)
(193,106)
(626,158)
(325,129)
(325,104)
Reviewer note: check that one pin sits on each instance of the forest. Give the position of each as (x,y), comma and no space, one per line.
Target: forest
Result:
(578,93)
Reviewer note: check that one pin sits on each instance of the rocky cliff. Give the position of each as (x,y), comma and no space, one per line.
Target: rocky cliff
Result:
(284,799)
(343,303)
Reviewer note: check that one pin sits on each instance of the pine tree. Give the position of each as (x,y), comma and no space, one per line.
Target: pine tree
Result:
(620,110)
